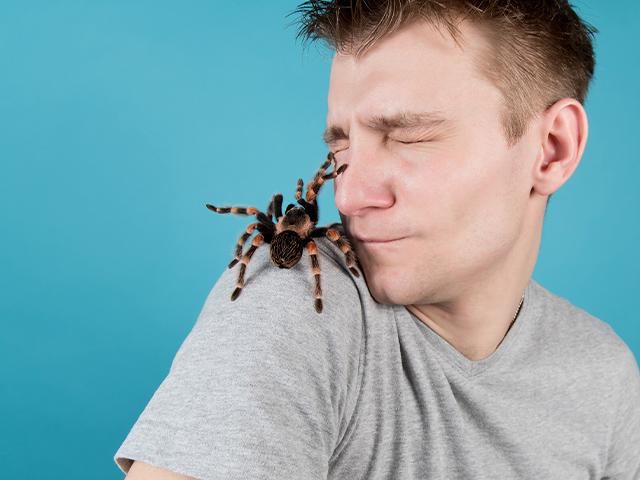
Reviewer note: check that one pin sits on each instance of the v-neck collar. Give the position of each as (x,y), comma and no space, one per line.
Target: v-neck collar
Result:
(473,367)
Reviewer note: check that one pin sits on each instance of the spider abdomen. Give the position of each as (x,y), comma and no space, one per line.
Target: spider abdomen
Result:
(286,249)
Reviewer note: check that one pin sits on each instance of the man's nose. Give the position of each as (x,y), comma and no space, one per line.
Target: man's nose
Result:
(363,185)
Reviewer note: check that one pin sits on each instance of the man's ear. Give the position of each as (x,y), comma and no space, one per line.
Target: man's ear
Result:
(564,131)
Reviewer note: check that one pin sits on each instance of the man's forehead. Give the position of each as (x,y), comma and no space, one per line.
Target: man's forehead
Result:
(387,101)
(396,82)
(418,52)
(419,82)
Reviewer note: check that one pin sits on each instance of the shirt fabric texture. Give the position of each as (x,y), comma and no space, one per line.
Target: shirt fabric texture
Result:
(264,387)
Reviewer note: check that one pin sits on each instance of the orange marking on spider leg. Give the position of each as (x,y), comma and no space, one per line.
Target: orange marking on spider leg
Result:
(333,234)
(252,210)
(257,240)
(313,249)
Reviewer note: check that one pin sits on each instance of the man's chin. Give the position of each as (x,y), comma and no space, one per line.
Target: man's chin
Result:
(384,289)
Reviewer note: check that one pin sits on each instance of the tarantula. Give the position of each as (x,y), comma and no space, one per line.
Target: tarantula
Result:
(291,232)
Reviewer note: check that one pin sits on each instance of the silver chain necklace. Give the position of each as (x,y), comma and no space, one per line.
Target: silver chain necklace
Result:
(514,318)
(517,311)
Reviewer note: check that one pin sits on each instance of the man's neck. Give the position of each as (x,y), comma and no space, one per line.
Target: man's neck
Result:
(475,336)
(476,322)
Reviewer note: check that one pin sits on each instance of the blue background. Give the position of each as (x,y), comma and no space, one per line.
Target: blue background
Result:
(120,119)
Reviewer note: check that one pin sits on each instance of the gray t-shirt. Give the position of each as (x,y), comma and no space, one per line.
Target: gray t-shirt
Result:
(266,388)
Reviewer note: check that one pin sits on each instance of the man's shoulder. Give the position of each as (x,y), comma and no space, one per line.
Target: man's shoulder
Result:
(580,334)
(275,309)
(261,381)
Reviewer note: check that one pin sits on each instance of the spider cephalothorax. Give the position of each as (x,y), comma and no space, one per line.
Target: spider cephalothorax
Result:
(291,232)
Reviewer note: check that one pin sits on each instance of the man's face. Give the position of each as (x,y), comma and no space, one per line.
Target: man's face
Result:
(453,193)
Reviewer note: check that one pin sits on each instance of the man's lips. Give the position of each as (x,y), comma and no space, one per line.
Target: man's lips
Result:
(376,240)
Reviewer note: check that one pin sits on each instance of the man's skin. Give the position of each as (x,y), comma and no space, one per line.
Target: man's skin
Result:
(470,208)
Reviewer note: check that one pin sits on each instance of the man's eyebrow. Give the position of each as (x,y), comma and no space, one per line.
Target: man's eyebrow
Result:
(403,119)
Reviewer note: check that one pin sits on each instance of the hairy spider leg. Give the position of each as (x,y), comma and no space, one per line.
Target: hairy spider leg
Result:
(262,218)
(310,207)
(275,207)
(269,211)
(314,186)
(241,242)
(257,241)
(342,243)
(236,210)
(315,266)
(265,226)
(299,189)
(242,211)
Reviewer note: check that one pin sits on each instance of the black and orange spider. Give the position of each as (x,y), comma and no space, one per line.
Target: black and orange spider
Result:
(291,232)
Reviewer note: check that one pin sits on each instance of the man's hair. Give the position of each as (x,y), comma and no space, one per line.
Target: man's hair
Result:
(540,50)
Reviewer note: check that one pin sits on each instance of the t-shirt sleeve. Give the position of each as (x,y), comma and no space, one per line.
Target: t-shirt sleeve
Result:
(623,459)
(263,386)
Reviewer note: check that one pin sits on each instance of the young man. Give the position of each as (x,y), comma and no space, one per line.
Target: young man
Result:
(446,360)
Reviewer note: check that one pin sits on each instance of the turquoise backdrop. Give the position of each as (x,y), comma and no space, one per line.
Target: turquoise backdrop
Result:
(120,119)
